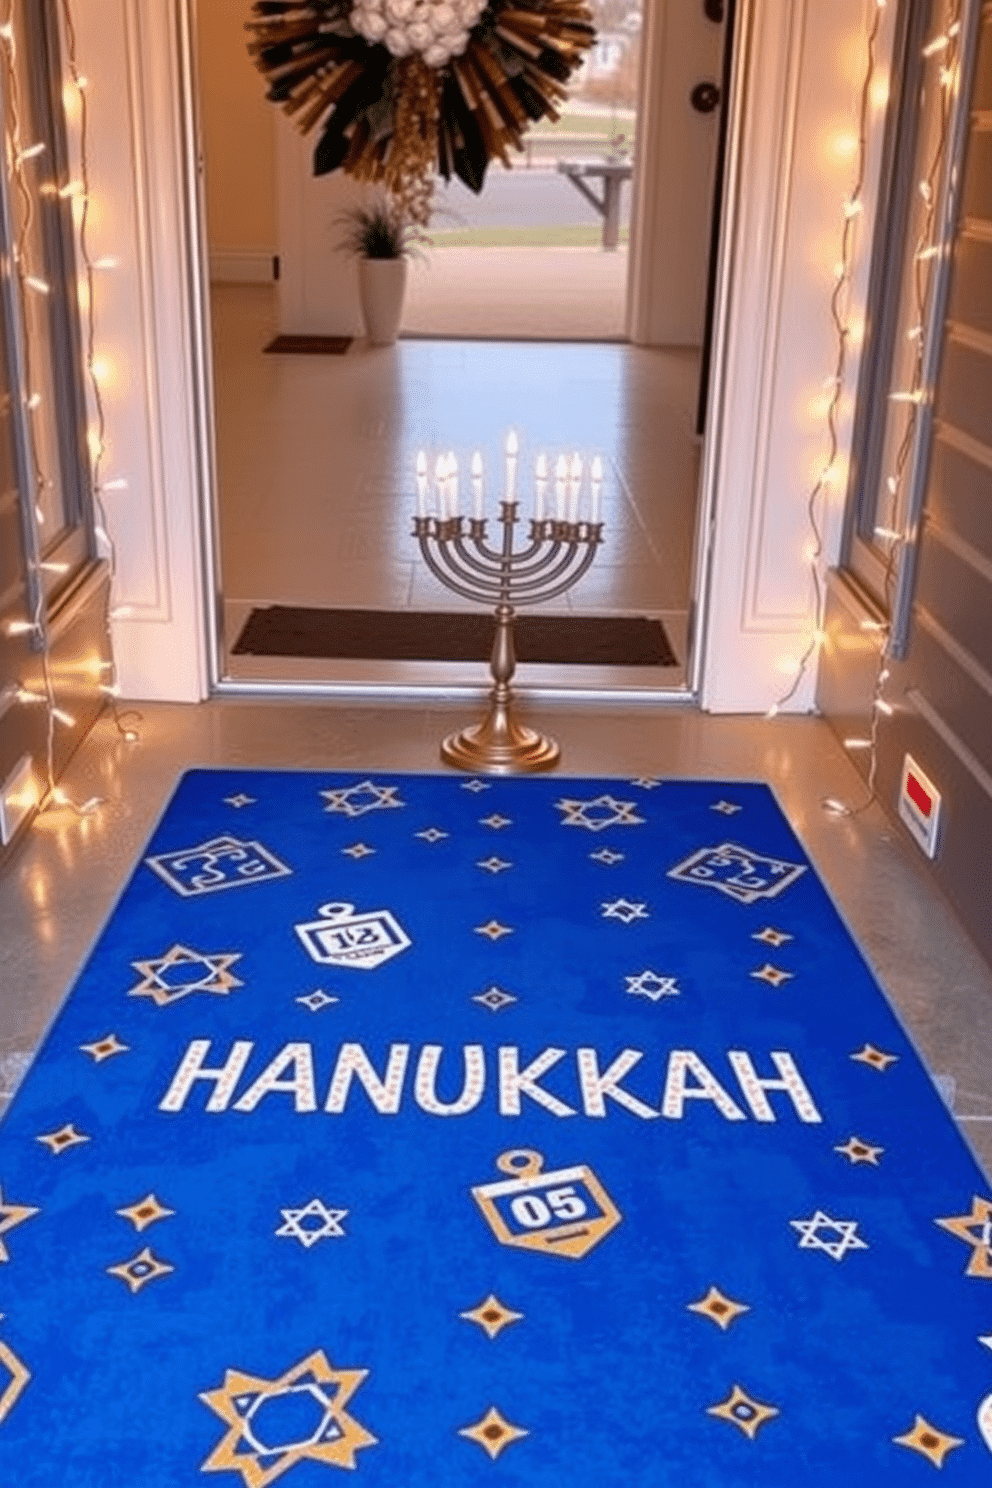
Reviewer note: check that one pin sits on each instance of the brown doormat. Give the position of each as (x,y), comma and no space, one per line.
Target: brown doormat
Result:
(404,635)
(311,345)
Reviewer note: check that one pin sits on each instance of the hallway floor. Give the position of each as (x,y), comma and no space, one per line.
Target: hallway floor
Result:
(59,889)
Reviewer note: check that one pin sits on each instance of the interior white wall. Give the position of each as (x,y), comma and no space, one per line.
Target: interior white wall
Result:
(802,64)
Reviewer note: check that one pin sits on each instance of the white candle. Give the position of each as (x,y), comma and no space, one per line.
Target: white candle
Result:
(421,483)
(597,486)
(561,475)
(440,472)
(511,465)
(452,484)
(477,483)
(540,486)
(574,487)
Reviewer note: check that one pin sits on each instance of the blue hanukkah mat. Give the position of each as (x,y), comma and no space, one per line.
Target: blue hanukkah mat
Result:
(541,1133)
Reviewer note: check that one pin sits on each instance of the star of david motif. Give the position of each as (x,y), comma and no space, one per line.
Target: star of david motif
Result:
(817,1231)
(743,1411)
(739,872)
(495,821)
(12,1215)
(474,786)
(719,1308)
(929,1441)
(261,1446)
(773,975)
(492,1316)
(494,865)
(182,971)
(105,1048)
(975,1229)
(772,937)
(432,835)
(493,1432)
(239,801)
(494,998)
(358,850)
(356,800)
(857,1151)
(625,911)
(649,984)
(602,811)
(726,808)
(60,1141)
(221,863)
(326,1223)
(877,1059)
(317,999)
(145,1212)
(605,855)
(18,1375)
(494,930)
(140,1270)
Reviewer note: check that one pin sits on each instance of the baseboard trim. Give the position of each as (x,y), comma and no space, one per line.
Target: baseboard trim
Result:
(242,266)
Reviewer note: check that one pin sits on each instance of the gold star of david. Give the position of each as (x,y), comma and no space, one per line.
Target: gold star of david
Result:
(140,1270)
(876,1058)
(772,937)
(492,1316)
(720,1308)
(356,800)
(494,930)
(250,1449)
(975,1229)
(12,1215)
(206,974)
(105,1048)
(927,1440)
(860,1152)
(493,1433)
(773,975)
(742,1410)
(19,1376)
(60,1141)
(145,1212)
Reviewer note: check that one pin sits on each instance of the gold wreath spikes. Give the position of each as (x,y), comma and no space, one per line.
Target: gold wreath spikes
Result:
(404,88)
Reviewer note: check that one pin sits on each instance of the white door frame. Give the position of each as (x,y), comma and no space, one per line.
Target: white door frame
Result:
(774,342)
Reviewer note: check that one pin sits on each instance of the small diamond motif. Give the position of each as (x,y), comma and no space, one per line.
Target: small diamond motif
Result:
(493,1432)
(726,808)
(494,865)
(145,1212)
(474,786)
(492,1316)
(494,930)
(431,834)
(646,782)
(929,1441)
(60,1141)
(719,1308)
(495,821)
(140,1270)
(105,1048)
(494,998)
(317,999)
(772,937)
(876,1058)
(773,975)
(607,856)
(239,800)
(741,1409)
(358,850)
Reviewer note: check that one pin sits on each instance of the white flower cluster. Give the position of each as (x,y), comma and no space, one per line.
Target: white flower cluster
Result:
(437,29)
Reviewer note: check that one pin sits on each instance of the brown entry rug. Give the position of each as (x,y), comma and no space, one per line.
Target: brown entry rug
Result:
(403,635)
(311,345)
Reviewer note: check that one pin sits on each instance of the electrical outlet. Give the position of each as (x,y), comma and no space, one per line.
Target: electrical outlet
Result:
(919,806)
(18,799)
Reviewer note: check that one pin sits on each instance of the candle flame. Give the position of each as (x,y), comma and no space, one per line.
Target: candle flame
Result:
(477,464)
(511,442)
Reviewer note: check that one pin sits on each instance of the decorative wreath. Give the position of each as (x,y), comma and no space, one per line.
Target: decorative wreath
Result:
(404,88)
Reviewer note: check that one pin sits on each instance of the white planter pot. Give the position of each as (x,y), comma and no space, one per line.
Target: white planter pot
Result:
(381,284)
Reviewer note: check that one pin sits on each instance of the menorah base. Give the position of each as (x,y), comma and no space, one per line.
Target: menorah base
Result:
(500,746)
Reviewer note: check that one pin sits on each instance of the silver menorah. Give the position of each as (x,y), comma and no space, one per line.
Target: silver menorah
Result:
(559,549)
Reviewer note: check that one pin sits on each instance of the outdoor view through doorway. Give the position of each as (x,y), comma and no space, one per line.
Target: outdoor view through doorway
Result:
(542,251)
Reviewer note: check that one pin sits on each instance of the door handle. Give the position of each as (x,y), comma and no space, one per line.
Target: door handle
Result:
(705,97)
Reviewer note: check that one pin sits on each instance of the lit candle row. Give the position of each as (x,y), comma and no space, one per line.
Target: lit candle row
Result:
(568,481)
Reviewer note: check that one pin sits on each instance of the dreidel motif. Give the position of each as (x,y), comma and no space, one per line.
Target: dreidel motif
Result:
(563,1213)
(343,938)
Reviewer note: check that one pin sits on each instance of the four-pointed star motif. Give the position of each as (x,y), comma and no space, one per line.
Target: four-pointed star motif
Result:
(182,971)
(623,909)
(356,800)
(239,800)
(602,811)
(298,1226)
(607,856)
(835,1236)
(649,984)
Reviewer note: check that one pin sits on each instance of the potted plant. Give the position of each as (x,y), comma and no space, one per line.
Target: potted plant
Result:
(382,239)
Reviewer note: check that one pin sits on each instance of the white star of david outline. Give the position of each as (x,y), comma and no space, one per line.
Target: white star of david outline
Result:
(215,975)
(649,984)
(845,1229)
(623,909)
(308,1235)
(617,813)
(356,800)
